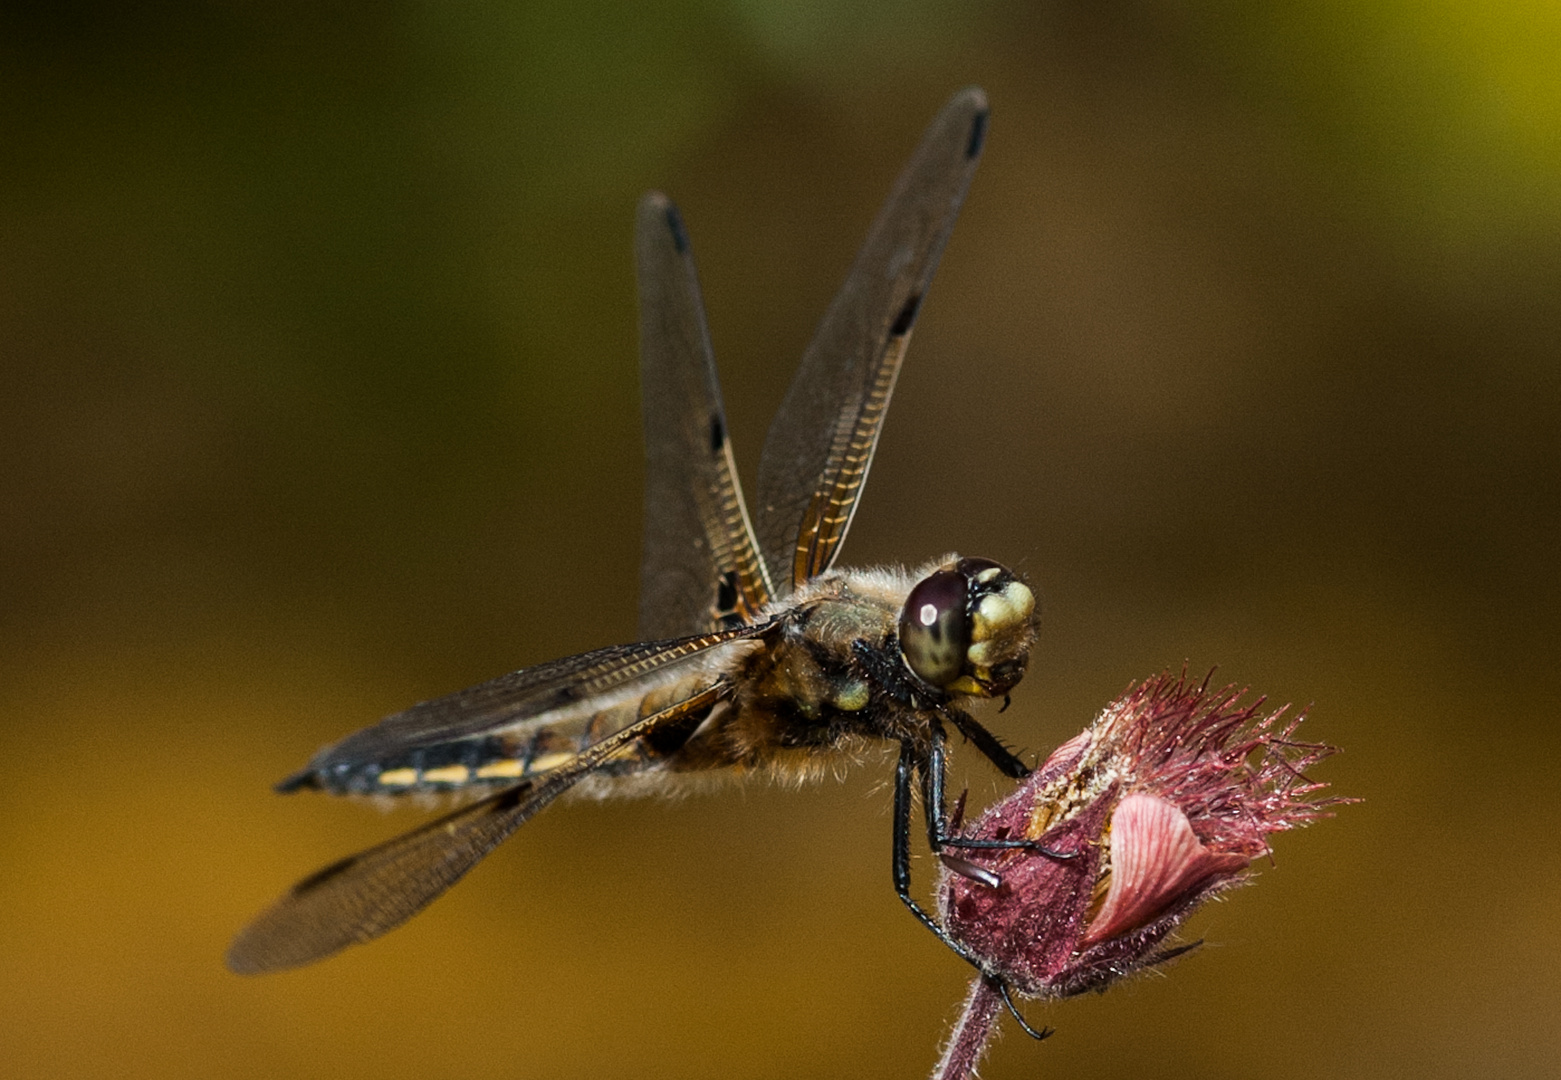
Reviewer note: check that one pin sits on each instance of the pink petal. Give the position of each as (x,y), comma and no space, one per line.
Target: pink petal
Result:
(1156,859)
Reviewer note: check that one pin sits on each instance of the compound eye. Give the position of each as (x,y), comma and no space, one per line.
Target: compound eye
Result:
(979,569)
(934,628)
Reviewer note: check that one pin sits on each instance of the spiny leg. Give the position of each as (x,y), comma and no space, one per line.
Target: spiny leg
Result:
(989,744)
(939,836)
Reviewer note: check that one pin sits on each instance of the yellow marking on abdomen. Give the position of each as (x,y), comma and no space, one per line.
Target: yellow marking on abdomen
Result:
(502,770)
(544,762)
(398,777)
(449,774)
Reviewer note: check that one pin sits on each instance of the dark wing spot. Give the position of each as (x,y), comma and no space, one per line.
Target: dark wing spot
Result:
(907,316)
(977,135)
(667,739)
(510,799)
(679,236)
(717,433)
(726,592)
(322,875)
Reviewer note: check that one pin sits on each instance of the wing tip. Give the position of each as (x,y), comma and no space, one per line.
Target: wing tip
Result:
(655,207)
(245,958)
(972,97)
(253,952)
(970,103)
(240,962)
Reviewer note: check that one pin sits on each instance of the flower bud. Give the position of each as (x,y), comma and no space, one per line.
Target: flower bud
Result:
(1163,802)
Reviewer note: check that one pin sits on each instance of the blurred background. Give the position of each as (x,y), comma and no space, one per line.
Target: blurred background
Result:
(319,397)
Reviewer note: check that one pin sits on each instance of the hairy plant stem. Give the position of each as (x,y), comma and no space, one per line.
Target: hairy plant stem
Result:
(974,1029)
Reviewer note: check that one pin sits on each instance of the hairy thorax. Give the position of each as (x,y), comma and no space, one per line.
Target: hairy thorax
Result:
(805,699)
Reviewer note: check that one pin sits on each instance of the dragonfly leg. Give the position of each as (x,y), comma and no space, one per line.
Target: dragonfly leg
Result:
(903,773)
(939,836)
(1002,988)
(989,744)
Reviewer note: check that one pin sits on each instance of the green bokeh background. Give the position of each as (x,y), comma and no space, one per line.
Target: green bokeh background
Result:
(319,397)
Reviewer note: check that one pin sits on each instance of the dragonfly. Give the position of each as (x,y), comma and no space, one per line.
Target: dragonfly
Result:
(757,657)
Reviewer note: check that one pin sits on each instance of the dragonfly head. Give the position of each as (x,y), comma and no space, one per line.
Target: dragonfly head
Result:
(967,627)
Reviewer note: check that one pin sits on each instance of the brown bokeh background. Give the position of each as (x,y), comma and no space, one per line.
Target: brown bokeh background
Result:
(319,397)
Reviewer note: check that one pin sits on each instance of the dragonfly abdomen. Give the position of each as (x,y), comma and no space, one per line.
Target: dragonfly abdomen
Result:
(492,759)
(495,759)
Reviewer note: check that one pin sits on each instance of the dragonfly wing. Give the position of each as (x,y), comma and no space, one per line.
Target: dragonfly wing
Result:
(821,443)
(700,565)
(366,895)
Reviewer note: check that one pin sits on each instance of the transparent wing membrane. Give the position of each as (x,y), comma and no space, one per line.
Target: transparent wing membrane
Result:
(700,564)
(821,443)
